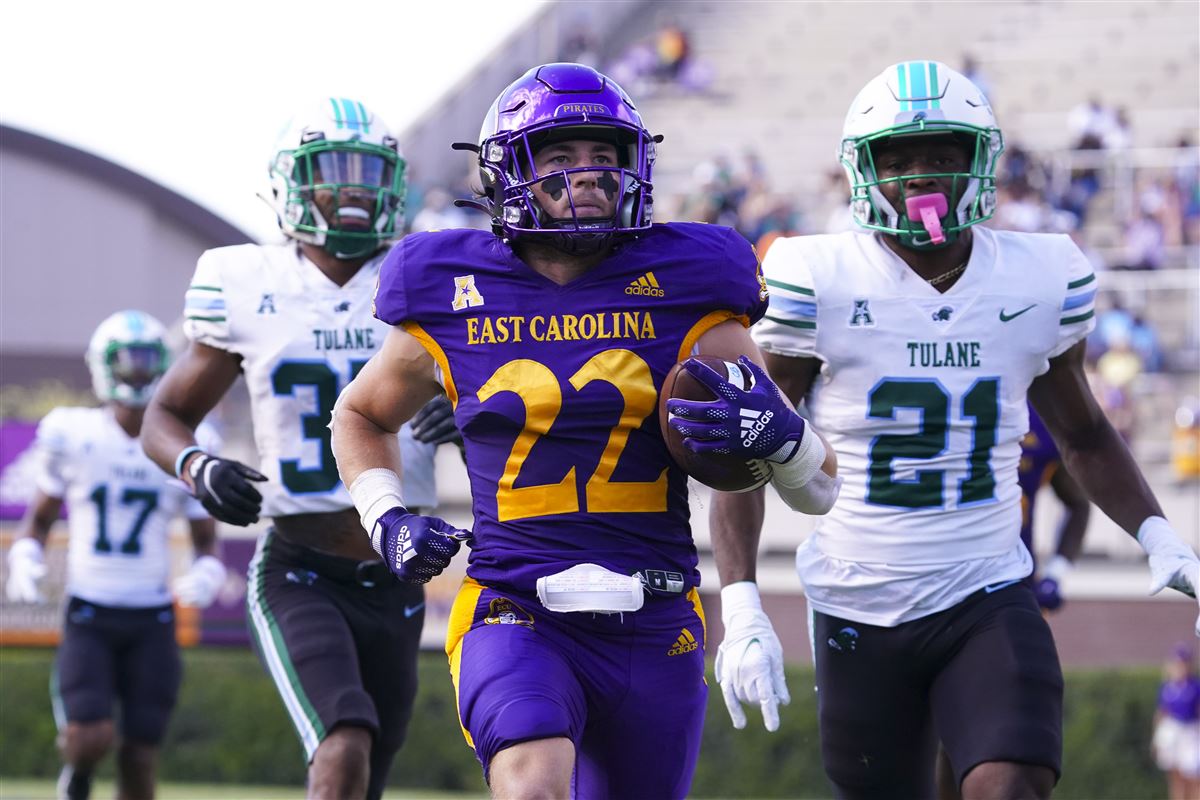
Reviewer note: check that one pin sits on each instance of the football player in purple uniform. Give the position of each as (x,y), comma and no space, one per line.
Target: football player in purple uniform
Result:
(1042,464)
(576,643)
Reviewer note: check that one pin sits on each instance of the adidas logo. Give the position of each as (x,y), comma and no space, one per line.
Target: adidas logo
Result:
(646,285)
(686,643)
(753,423)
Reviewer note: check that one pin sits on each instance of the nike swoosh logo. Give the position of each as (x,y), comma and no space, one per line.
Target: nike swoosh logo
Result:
(1006,317)
(998,586)
(411,610)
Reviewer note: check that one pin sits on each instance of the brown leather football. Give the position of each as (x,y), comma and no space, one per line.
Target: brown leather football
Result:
(728,473)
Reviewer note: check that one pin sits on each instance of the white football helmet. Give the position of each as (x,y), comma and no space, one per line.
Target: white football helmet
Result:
(916,98)
(337,179)
(127,356)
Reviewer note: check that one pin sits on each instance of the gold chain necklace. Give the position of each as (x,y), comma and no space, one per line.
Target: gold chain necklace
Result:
(945,276)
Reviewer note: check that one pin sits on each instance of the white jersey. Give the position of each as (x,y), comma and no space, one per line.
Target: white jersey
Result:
(119,507)
(302,339)
(922,395)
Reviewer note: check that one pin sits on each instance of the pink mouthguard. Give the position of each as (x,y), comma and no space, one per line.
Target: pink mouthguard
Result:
(930,208)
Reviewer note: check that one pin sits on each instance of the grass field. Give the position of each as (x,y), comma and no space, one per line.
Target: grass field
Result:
(25,789)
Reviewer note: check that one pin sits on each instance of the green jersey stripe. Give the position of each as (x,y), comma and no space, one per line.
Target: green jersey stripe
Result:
(793,323)
(790,287)
(206,319)
(1079,318)
(1081,282)
(205,288)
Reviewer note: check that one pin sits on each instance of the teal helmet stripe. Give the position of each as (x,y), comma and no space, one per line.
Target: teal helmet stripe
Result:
(351,113)
(916,77)
(918,85)
(364,118)
(134,320)
(337,113)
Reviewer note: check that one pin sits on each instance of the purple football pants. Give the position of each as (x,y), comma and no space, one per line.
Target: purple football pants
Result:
(627,689)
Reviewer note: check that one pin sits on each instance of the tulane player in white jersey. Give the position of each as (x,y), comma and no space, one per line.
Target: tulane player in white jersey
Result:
(915,344)
(119,634)
(337,634)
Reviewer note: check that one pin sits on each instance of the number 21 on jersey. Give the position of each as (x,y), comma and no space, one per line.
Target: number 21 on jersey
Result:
(980,404)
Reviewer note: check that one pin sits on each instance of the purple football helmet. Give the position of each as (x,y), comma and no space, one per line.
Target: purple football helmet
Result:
(556,102)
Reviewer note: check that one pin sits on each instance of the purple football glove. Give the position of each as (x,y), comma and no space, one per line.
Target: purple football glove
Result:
(1048,594)
(758,423)
(416,548)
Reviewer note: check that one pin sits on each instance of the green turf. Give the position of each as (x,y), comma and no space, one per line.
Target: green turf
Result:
(27,789)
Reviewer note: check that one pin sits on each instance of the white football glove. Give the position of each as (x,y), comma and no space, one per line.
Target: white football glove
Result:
(200,584)
(25,569)
(749,663)
(1172,562)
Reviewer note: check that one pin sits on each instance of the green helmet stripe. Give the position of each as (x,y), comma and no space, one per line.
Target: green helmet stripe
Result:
(337,113)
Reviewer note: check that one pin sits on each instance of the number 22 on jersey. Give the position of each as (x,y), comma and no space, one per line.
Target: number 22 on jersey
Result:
(540,391)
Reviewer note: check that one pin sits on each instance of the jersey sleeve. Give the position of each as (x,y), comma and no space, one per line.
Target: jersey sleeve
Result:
(391,303)
(205,311)
(1078,311)
(746,294)
(790,325)
(52,444)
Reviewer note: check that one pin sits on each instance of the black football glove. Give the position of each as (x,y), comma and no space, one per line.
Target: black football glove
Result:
(223,487)
(434,423)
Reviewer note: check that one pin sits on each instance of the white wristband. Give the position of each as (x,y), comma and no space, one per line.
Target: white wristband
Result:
(374,492)
(25,547)
(737,597)
(805,462)
(1157,537)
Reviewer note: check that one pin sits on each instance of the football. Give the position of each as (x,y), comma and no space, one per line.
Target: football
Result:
(728,473)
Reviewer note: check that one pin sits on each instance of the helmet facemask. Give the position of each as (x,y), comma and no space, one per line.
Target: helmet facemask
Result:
(511,159)
(341,195)
(973,193)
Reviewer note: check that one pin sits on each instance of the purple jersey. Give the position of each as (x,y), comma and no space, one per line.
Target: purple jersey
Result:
(1181,699)
(1039,460)
(555,388)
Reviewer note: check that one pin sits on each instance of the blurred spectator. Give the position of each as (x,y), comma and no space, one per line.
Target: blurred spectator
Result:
(673,48)
(1144,243)
(1187,189)
(1176,741)
(1114,400)
(1185,441)
(1144,342)
(1089,122)
(1118,136)
(1021,209)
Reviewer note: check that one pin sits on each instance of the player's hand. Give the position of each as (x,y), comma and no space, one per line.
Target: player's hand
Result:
(200,584)
(1173,563)
(434,423)
(224,488)
(1049,596)
(758,423)
(25,569)
(749,662)
(414,547)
